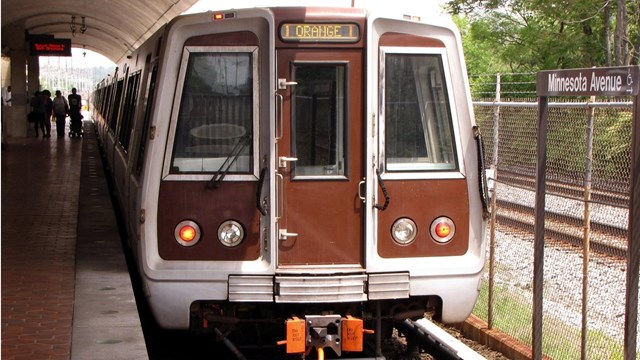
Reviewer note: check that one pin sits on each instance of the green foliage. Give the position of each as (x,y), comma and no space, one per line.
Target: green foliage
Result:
(612,153)
(516,36)
(512,315)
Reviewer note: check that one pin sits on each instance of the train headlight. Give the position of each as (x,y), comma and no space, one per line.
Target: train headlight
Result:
(187,233)
(404,231)
(442,229)
(230,233)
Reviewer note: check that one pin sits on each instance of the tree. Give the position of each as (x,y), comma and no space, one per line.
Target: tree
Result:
(544,34)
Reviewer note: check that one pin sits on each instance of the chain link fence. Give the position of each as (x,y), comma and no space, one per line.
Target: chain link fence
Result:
(586,216)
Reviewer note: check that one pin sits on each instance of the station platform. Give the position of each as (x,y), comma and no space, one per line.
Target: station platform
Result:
(66,289)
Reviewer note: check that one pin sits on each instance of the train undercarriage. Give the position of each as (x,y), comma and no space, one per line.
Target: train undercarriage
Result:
(343,329)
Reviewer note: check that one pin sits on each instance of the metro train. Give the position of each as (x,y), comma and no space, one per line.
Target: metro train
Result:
(315,172)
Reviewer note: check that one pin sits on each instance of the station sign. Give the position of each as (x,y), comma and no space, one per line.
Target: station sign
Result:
(608,81)
(49,47)
(310,32)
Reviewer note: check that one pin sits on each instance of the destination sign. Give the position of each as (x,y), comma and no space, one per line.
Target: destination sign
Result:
(611,81)
(301,32)
(50,47)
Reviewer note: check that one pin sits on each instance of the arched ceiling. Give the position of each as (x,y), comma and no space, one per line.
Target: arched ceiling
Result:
(113,27)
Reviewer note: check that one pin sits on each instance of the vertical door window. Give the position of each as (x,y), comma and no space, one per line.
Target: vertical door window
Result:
(318,121)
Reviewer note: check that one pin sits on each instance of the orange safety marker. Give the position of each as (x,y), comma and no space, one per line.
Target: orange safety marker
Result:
(352,334)
(295,336)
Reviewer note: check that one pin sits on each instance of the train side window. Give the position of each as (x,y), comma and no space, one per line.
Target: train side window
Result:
(417,125)
(106,95)
(217,107)
(113,112)
(151,90)
(106,101)
(130,102)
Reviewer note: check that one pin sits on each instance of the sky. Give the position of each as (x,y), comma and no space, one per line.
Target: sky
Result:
(88,58)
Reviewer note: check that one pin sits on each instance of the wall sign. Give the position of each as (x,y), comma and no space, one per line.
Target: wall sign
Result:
(50,47)
(612,81)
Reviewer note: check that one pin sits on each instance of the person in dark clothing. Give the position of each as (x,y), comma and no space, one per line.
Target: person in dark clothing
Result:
(60,110)
(75,102)
(75,116)
(37,111)
(48,111)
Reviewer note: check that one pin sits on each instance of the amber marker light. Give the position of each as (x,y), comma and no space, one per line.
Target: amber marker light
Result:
(187,233)
(442,229)
(222,16)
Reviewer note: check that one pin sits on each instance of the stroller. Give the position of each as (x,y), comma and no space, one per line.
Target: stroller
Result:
(75,125)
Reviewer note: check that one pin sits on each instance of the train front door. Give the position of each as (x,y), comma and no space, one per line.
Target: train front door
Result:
(320,159)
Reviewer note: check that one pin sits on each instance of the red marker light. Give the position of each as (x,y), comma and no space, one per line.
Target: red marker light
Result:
(442,229)
(187,233)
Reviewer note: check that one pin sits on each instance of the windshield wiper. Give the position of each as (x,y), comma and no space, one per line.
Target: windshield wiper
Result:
(217,178)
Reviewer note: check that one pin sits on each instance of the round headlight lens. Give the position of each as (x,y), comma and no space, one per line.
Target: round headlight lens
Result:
(404,231)
(187,233)
(442,229)
(230,233)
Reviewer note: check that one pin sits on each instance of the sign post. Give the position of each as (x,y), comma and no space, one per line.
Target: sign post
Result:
(612,81)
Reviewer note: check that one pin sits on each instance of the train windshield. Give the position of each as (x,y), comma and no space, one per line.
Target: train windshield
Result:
(215,120)
(418,134)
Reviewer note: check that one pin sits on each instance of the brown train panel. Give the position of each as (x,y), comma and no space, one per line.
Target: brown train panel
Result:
(398,39)
(182,200)
(240,38)
(423,201)
(327,228)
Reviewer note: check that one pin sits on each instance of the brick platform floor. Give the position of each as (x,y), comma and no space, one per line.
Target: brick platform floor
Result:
(40,182)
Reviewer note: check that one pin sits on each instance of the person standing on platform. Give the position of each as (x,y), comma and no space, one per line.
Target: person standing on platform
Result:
(37,112)
(75,106)
(75,103)
(48,110)
(60,110)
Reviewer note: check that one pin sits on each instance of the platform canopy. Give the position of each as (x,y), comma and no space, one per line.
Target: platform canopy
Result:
(112,28)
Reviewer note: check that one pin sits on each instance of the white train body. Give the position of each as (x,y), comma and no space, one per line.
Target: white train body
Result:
(302,160)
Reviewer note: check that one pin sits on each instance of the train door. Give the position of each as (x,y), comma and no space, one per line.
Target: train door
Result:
(319,158)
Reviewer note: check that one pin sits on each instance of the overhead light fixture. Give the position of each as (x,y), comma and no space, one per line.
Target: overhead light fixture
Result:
(73,25)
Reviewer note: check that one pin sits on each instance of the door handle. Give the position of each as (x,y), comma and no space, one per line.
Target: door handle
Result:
(360,192)
(279,195)
(284,235)
(283,83)
(279,129)
(283,160)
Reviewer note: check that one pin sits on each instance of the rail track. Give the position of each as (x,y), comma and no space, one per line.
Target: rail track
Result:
(612,195)
(607,237)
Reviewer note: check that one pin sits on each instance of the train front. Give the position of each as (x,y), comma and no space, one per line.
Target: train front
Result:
(320,168)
